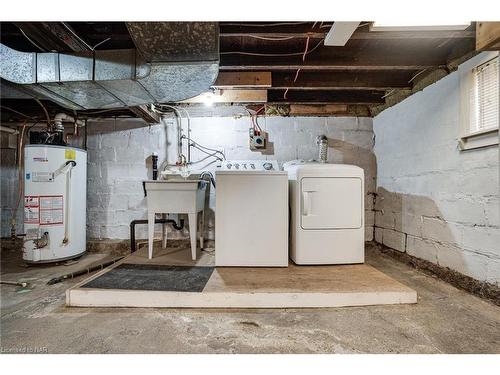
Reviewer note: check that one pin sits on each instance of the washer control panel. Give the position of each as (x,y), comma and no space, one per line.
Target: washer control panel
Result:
(249,165)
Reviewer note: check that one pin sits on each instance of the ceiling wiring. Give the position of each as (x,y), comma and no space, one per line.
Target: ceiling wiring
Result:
(416,75)
(100,43)
(67,27)
(265,24)
(30,40)
(296,75)
(305,52)
(273,54)
(271,38)
(388,93)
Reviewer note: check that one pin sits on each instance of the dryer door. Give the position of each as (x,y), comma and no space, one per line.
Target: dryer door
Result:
(331,203)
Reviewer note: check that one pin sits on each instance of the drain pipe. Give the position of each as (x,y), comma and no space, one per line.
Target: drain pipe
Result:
(133,223)
(61,117)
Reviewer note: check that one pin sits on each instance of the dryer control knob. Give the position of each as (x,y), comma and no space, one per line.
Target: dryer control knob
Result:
(267,166)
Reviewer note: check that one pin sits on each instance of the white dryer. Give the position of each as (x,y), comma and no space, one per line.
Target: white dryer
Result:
(326,213)
(251,214)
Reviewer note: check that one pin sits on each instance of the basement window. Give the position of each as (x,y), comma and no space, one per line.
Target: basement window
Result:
(480,112)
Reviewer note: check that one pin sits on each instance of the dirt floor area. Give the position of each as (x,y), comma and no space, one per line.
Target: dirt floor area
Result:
(445,320)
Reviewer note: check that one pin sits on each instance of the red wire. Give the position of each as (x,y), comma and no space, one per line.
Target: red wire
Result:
(256,114)
(296,76)
(305,52)
(303,60)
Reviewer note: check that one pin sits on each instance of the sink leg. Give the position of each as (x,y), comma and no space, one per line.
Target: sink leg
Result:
(164,234)
(192,233)
(151,233)
(202,229)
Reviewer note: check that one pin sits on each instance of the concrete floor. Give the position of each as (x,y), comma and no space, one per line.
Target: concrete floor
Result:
(445,320)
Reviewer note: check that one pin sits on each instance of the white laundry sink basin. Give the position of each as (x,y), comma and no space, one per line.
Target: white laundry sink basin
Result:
(175,195)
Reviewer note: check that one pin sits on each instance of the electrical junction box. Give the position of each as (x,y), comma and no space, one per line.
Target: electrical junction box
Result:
(258,139)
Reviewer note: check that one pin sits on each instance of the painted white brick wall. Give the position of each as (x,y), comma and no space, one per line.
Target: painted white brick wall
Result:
(118,149)
(444,200)
(9,188)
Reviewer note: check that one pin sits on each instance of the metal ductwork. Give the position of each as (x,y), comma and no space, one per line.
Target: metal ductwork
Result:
(173,61)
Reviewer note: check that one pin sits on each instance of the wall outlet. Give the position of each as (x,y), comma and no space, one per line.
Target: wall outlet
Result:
(258,139)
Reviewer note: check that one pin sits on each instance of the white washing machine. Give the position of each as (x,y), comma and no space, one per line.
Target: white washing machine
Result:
(326,213)
(251,214)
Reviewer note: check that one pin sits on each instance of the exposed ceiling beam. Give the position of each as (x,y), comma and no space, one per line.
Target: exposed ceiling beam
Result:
(243,80)
(317,110)
(51,36)
(254,64)
(232,96)
(340,33)
(336,80)
(488,36)
(359,55)
(146,114)
(358,35)
(458,34)
(326,96)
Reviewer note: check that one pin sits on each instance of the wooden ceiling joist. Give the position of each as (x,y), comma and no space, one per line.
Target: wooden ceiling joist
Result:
(326,96)
(249,64)
(359,35)
(232,96)
(345,80)
(318,110)
(488,36)
(243,80)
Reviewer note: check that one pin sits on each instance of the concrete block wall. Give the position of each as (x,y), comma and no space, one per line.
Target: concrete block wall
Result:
(119,150)
(434,201)
(9,185)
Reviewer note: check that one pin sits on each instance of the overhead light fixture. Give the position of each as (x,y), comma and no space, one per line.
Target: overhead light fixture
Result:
(340,33)
(419,26)
(208,98)
(229,96)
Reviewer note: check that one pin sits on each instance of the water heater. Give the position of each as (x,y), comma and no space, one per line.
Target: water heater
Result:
(55,196)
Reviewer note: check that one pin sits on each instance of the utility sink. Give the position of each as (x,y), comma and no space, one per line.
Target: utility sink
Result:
(176,196)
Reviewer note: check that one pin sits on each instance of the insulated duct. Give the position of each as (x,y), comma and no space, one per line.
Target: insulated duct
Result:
(173,61)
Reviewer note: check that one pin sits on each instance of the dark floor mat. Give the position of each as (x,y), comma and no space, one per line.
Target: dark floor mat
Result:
(153,277)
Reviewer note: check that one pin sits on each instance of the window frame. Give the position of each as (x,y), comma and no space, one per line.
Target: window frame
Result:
(478,139)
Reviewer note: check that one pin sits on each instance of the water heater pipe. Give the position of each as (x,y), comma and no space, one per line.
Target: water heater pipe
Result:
(8,130)
(61,117)
(66,169)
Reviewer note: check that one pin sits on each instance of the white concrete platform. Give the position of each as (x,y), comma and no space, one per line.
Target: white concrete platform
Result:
(238,287)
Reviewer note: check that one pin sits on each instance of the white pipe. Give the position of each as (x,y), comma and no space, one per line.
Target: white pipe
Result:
(61,117)
(8,130)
